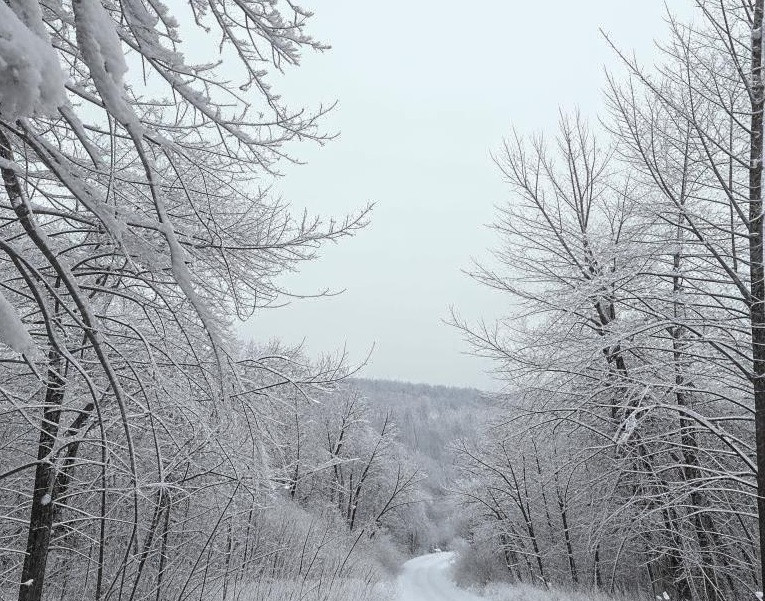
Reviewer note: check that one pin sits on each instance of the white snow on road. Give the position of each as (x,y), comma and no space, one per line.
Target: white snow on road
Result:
(428,578)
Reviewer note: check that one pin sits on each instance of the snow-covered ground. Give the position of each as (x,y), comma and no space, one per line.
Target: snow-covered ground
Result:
(428,578)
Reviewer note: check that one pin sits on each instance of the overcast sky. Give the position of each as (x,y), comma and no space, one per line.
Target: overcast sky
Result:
(426,90)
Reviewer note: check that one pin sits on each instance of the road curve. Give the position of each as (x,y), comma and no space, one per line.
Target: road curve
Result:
(428,578)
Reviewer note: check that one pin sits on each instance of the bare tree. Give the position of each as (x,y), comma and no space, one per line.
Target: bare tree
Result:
(623,337)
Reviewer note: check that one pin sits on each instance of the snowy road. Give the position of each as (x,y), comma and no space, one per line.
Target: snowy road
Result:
(427,578)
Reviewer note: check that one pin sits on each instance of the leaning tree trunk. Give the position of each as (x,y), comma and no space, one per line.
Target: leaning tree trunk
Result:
(41,517)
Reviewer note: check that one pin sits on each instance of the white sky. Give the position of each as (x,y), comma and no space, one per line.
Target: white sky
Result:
(426,90)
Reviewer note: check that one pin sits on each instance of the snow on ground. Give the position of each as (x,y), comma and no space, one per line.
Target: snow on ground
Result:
(428,578)
(525,592)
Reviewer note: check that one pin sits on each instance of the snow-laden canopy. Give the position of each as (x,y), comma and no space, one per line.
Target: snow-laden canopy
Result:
(137,222)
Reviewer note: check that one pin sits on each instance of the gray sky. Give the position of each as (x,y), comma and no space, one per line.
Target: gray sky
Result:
(426,91)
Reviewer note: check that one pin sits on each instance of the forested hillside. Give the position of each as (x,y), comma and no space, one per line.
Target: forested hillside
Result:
(431,419)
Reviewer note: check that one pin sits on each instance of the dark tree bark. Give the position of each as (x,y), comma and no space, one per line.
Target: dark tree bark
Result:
(596,568)
(566,532)
(41,517)
(756,271)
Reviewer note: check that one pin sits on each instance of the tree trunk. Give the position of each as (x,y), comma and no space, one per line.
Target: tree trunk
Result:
(598,573)
(703,523)
(163,550)
(756,273)
(229,548)
(41,517)
(566,534)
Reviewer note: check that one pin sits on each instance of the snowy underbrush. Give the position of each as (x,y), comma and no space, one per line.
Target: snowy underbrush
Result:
(309,555)
(476,565)
(502,591)
(343,589)
(478,568)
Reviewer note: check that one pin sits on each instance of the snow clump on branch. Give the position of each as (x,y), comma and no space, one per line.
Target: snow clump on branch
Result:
(31,80)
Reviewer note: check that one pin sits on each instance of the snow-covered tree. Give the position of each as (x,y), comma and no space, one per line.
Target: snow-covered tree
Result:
(627,339)
(138,141)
